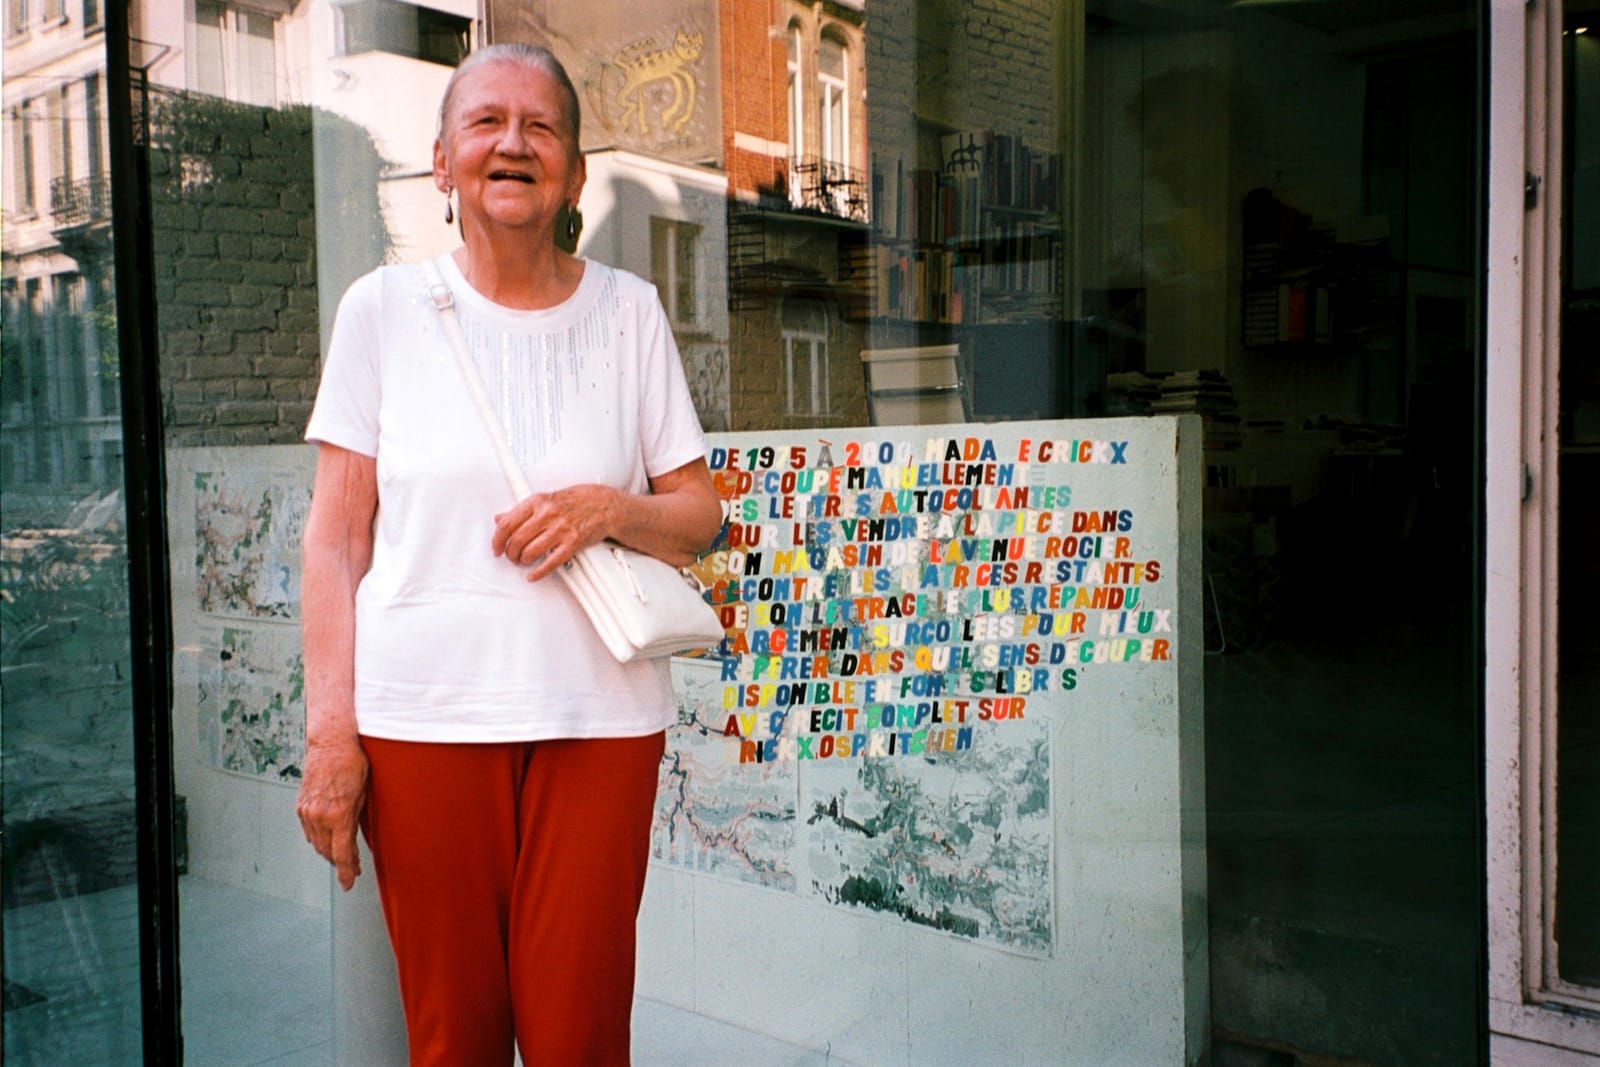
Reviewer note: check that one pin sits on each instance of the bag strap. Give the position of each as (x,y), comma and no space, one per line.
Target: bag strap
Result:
(444,300)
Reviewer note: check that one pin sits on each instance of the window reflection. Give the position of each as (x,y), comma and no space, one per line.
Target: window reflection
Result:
(67,879)
(796,98)
(24,198)
(804,322)
(403,29)
(675,267)
(833,93)
(1263,217)
(235,52)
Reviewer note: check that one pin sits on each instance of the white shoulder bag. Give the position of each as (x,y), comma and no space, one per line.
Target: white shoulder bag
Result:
(640,606)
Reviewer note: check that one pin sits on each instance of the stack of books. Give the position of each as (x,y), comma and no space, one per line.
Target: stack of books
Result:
(858,278)
(1131,393)
(1207,393)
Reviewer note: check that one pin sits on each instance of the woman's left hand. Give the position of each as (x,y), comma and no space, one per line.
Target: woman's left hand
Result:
(544,530)
(674,521)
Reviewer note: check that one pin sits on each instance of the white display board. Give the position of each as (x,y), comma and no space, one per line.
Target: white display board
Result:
(235,518)
(938,799)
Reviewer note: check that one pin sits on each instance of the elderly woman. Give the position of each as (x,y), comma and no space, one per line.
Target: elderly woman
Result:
(461,709)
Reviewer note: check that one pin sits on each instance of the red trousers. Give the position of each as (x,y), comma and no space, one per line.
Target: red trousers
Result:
(511,876)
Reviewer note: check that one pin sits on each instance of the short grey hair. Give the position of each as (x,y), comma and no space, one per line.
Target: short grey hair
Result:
(530,56)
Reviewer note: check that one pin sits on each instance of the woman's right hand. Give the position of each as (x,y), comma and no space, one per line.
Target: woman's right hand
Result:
(333,790)
(337,545)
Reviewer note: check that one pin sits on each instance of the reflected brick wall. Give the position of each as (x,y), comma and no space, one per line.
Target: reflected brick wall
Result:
(233,200)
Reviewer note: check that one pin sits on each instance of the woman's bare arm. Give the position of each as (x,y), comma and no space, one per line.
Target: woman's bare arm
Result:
(337,550)
(675,521)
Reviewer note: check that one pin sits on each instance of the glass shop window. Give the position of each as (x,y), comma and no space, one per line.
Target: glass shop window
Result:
(1264,221)
(1261,218)
(1574,937)
(69,877)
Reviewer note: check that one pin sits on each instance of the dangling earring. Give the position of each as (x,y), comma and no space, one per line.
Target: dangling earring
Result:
(572,222)
(449,209)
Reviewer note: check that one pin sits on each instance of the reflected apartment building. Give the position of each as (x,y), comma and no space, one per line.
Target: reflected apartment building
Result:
(61,433)
(726,147)
(728,164)
(60,429)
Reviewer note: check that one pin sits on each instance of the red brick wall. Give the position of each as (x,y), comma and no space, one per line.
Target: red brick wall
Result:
(753,81)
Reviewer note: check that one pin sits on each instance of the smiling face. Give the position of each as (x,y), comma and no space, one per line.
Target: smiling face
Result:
(505,145)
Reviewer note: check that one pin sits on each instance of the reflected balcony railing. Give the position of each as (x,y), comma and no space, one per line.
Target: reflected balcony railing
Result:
(817,184)
(78,202)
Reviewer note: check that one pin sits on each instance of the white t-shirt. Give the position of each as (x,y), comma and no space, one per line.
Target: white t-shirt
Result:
(452,643)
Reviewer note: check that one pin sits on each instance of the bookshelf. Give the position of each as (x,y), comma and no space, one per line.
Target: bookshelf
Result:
(1305,288)
(976,239)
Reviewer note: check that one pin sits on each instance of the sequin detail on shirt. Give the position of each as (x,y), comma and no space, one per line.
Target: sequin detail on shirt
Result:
(533,377)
